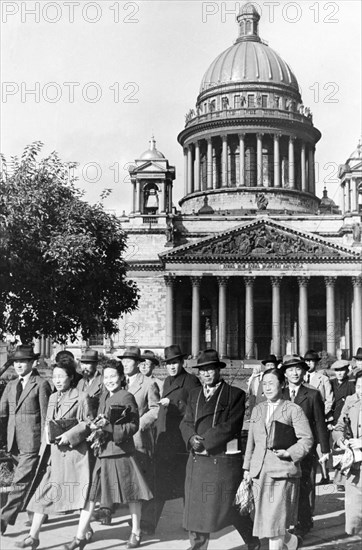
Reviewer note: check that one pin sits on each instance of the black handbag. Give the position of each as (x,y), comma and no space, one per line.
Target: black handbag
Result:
(59,427)
(119,414)
(281,436)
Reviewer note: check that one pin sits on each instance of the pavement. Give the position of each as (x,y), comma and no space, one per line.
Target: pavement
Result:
(327,534)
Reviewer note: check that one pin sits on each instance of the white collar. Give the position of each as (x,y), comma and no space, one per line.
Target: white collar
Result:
(295,389)
(26,378)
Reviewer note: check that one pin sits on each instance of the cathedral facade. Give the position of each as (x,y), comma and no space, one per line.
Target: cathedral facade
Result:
(250,261)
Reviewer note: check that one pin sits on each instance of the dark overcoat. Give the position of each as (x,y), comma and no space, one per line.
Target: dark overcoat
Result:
(117,477)
(170,452)
(340,392)
(120,438)
(212,480)
(309,399)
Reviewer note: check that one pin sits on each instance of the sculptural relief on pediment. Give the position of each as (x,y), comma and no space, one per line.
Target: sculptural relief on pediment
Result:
(264,241)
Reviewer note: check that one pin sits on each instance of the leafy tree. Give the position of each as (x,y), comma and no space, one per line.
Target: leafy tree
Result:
(61,259)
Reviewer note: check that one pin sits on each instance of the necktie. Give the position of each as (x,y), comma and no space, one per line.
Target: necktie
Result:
(292,395)
(127,382)
(19,389)
(59,398)
(307,378)
(207,392)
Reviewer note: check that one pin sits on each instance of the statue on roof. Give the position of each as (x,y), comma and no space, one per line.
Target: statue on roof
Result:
(172,233)
(356,232)
(261,201)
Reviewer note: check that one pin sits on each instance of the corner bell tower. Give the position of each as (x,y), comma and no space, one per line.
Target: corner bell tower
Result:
(152,178)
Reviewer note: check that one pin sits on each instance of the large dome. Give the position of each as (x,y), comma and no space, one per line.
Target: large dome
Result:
(249,131)
(248,61)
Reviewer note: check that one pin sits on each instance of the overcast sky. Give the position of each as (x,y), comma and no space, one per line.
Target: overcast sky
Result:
(106,75)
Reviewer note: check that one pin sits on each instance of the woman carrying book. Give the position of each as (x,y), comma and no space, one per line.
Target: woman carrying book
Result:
(63,474)
(279,437)
(116,478)
(351,441)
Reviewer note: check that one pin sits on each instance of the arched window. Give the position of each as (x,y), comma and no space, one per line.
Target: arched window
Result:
(150,199)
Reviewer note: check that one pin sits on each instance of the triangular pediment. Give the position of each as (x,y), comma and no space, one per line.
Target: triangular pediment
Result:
(261,239)
(150,166)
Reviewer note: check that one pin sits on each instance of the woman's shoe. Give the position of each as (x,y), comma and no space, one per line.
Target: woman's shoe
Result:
(29,542)
(294,544)
(89,534)
(134,541)
(106,516)
(76,543)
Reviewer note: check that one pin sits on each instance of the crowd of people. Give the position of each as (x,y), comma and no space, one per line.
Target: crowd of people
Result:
(120,435)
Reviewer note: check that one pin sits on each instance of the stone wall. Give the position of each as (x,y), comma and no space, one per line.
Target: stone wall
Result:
(145,326)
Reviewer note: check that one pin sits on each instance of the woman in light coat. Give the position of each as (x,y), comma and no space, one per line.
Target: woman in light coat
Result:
(274,472)
(64,476)
(352,409)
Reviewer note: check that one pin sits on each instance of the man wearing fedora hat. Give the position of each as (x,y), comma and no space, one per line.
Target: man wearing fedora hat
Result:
(92,382)
(211,429)
(310,400)
(318,380)
(170,451)
(23,409)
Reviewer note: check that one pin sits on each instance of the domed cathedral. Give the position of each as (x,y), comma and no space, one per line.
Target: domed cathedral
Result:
(251,261)
(250,142)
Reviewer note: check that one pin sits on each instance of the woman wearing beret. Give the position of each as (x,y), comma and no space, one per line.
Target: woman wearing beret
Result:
(275,472)
(353,502)
(116,478)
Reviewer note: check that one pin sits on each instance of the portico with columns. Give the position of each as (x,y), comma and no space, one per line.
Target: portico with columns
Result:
(256,303)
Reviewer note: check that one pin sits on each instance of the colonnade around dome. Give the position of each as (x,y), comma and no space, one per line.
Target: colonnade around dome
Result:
(249,159)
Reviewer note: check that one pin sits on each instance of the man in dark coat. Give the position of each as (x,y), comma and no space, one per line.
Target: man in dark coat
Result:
(310,400)
(342,387)
(23,409)
(170,456)
(211,429)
